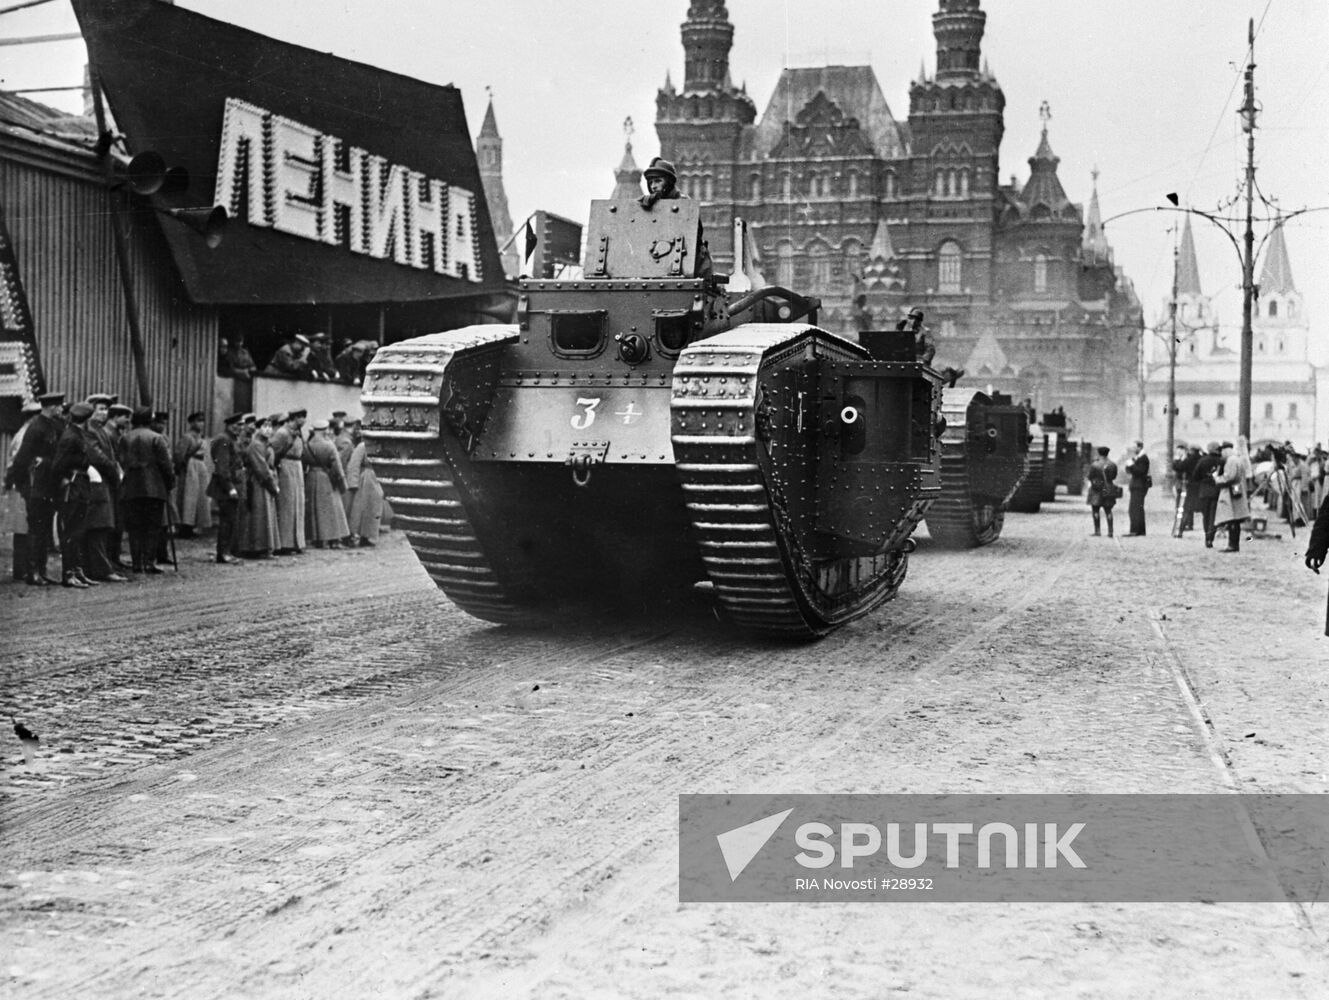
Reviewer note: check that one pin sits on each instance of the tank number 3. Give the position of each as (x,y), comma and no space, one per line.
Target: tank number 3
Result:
(586,417)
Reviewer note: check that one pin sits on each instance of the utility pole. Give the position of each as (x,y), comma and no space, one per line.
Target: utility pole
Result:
(1172,360)
(1248,253)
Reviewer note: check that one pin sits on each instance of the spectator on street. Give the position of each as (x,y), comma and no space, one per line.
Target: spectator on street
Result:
(18,523)
(1204,488)
(259,535)
(32,471)
(1318,546)
(1137,467)
(1182,467)
(325,482)
(149,476)
(75,473)
(191,473)
(227,480)
(1103,489)
(1231,506)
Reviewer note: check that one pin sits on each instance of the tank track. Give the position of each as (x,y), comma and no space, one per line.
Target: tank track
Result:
(1029,497)
(955,520)
(761,581)
(402,400)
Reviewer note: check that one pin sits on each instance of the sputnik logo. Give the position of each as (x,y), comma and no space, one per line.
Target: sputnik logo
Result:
(741,844)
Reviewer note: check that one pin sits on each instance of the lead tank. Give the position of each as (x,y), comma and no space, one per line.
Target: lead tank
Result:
(984,454)
(643,430)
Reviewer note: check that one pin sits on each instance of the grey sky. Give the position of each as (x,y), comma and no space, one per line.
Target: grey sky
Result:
(1144,89)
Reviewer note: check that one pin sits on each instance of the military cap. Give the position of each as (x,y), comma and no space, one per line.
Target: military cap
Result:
(80,412)
(196,415)
(31,407)
(99,399)
(120,410)
(1227,444)
(321,425)
(301,338)
(278,418)
(249,418)
(141,417)
(160,416)
(338,414)
(51,398)
(319,336)
(661,167)
(1213,447)
(296,414)
(233,419)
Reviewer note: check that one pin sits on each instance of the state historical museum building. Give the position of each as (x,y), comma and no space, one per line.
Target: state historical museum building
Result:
(876,215)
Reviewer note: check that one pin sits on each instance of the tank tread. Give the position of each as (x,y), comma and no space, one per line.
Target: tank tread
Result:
(1029,496)
(754,574)
(956,518)
(401,402)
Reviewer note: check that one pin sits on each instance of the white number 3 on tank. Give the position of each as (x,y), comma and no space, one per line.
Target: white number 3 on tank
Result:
(587,417)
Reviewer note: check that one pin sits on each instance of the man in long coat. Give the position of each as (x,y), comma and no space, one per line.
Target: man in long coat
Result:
(366,507)
(192,475)
(149,475)
(1233,504)
(259,535)
(288,452)
(101,522)
(32,471)
(325,482)
(1203,490)
(75,474)
(228,479)
(1137,467)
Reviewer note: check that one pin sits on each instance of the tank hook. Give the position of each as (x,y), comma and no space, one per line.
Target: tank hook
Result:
(908,545)
(581,470)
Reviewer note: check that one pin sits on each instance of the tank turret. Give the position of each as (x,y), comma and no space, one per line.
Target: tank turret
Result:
(643,431)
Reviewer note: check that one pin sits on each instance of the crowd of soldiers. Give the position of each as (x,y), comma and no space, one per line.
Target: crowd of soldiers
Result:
(98,472)
(312,357)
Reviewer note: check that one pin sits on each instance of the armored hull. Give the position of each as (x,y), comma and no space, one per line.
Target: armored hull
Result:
(984,452)
(627,440)
(1073,465)
(1029,495)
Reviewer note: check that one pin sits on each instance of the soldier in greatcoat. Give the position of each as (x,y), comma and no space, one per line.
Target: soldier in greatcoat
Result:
(259,535)
(288,452)
(101,520)
(325,482)
(149,476)
(32,472)
(1204,488)
(75,473)
(228,479)
(191,473)
(366,507)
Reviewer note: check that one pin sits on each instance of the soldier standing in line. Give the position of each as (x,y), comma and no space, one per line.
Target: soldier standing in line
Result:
(192,475)
(261,490)
(117,427)
(99,523)
(74,472)
(288,452)
(324,484)
(341,440)
(148,479)
(366,510)
(227,479)
(32,471)
(19,526)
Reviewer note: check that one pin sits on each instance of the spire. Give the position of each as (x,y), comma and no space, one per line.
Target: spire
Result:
(1277,274)
(1188,269)
(668,85)
(922,72)
(958,28)
(489,130)
(881,243)
(1044,187)
(1095,248)
(627,178)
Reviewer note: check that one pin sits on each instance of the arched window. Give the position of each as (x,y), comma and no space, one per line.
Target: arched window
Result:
(952,183)
(1291,308)
(853,184)
(1292,411)
(1268,411)
(820,256)
(1040,272)
(786,185)
(889,188)
(708,188)
(964,183)
(851,252)
(939,183)
(784,264)
(1195,411)
(1273,309)
(1220,411)
(754,187)
(948,267)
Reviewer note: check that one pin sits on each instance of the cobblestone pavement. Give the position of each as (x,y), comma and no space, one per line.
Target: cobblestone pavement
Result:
(314,777)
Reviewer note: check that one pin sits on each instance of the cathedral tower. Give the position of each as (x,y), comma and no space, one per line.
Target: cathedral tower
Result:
(489,154)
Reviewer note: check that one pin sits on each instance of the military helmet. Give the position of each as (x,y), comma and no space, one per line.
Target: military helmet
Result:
(661,167)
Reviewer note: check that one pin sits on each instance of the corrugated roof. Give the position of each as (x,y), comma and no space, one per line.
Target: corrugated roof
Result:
(854,89)
(20,112)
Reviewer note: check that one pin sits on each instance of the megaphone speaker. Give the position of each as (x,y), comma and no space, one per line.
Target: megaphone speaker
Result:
(146,173)
(209,222)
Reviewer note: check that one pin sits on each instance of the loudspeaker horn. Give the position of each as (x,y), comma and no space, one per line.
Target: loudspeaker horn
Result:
(209,222)
(146,173)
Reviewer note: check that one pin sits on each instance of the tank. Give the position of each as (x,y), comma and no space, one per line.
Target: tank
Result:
(1030,494)
(650,429)
(984,451)
(1074,456)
